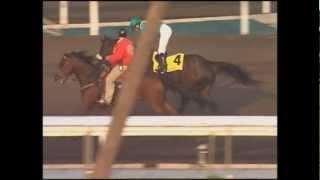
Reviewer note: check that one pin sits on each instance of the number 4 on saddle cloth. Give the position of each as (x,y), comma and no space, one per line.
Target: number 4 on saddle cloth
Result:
(174,62)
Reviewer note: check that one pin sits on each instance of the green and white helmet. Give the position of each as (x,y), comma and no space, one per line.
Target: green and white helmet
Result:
(134,21)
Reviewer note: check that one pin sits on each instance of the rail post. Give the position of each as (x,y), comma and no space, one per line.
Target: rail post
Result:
(211,148)
(87,151)
(266,6)
(244,17)
(228,150)
(202,154)
(63,12)
(94,17)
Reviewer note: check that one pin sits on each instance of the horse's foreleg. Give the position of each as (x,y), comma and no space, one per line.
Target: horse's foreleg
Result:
(86,109)
(159,105)
(89,98)
(201,97)
(158,108)
(170,109)
(88,106)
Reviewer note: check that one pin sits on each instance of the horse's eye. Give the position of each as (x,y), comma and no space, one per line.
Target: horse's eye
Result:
(63,63)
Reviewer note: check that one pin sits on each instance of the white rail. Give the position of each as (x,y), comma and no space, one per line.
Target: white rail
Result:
(162,120)
(163,125)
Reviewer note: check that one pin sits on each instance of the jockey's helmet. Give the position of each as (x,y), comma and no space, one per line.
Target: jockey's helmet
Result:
(134,21)
(122,33)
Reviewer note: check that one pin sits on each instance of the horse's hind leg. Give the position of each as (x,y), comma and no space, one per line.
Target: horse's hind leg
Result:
(204,98)
(205,92)
(204,102)
(89,98)
(158,108)
(184,102)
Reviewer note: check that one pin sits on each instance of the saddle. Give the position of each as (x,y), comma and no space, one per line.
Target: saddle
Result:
(174,62)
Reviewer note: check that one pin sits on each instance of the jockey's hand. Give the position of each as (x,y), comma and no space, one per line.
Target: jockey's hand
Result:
(99,57)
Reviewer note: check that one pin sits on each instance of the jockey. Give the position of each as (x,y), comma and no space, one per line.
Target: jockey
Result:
(119,60)
(165,32)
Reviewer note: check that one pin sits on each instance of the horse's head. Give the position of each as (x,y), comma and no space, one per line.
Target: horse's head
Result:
(79,63)
(65,69)
(106,46)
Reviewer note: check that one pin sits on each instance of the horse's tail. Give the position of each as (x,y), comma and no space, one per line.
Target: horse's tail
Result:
(234,71)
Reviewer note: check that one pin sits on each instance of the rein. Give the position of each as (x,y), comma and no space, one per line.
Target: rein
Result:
(87,86)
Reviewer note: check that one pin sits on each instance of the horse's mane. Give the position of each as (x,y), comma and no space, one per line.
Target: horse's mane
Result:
(84,57)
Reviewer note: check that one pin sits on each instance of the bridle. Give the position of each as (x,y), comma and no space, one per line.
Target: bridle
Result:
(63,77)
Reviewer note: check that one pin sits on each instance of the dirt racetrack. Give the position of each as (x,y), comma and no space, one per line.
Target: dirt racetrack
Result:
(257,54)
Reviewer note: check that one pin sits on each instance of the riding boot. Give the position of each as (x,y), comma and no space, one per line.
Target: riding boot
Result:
(163,65)
(101,100)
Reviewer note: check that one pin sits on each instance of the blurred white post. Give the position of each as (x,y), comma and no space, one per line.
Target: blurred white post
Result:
(63,12)
(94,17)
(244,17)
(101,139)
(266,6)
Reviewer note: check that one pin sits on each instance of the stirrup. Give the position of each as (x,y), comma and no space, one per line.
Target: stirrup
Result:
(101,101)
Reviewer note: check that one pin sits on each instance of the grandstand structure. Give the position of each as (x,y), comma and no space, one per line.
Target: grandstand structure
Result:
(94,24)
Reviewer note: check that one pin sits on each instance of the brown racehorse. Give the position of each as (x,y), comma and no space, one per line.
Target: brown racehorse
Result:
(151,90)
(196,79)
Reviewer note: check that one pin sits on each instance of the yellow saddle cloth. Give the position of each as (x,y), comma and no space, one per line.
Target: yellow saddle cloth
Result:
(174,62)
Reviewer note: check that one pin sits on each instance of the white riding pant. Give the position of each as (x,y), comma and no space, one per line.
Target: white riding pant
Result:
(110,83)
(165,34)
